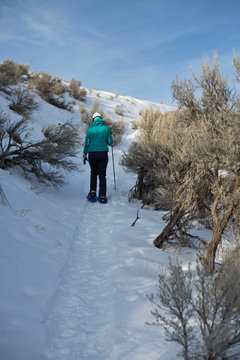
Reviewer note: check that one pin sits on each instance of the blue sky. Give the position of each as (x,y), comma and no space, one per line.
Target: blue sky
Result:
(132,47)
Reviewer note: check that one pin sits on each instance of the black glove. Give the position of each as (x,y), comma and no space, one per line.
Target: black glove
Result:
(84,159)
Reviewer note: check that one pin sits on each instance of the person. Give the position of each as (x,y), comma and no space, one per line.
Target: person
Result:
(97,140)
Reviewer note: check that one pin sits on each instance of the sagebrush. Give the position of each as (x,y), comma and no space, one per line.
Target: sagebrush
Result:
(11,73)
(45,157)
(23,102)
(190,158)
(200,312)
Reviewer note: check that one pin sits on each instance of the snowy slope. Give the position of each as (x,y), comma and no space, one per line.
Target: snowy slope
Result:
(75,275)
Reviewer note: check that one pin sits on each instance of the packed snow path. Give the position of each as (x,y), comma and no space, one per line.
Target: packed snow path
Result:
(74,275)
(82,318)
(97,308)
(83,304)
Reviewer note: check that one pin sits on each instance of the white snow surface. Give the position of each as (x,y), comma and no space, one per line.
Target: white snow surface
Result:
(75,275)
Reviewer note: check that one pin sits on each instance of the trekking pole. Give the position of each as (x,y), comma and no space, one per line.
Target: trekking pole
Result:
(115,187)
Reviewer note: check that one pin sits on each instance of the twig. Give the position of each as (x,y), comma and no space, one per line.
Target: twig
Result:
(137,217)
(3,199)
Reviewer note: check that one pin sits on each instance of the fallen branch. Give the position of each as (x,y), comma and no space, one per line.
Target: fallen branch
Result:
(137,217)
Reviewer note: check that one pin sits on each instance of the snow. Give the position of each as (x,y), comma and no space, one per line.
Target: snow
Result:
(75,275)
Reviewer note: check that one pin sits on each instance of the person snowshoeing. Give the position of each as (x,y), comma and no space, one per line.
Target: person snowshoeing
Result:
(97,139)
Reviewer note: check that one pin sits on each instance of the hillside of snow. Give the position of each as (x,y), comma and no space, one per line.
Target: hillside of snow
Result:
(75,275)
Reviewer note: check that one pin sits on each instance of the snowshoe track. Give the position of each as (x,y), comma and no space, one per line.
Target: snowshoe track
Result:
(74,316)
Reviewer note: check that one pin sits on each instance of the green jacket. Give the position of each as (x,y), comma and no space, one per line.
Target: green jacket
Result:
(98,137)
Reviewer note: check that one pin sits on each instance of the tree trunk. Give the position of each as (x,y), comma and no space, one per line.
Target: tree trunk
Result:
(140,185)
(168,230)
(219,227)
(212,247)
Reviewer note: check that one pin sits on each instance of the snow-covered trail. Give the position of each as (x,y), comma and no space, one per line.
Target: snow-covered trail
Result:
(74,275)
(83,303)
(78,274)
(96,308)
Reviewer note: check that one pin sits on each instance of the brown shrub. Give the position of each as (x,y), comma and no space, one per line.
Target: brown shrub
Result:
(116,128)
(46,85)
(194,158)
(44,157)
(95,108)
(23,102)
(11,72)
(76,91)
(50,88)
(150,151)
(85,117)
(118,110)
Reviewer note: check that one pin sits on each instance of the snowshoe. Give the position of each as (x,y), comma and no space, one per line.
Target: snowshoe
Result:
(102,200)
(92,196)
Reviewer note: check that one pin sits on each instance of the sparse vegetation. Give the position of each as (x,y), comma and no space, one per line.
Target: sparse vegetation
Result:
(187,161)
(85,117)
(116,128)
(23,102)
(200,312)
(50,88)
(135,125)
(58,146)
(3,198)
(76,91)
(46,85)
(44,157)
(11,73)
(95,108)
(143,156)
(119,111)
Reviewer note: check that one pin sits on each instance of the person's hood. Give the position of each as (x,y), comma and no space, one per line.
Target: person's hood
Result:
(98,121)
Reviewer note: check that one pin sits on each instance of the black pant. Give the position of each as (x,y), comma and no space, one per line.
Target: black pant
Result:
(98,162)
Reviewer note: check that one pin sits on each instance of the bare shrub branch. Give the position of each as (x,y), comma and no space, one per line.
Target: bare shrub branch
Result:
(203,319)
(3,198)
(23,102)
(46,157)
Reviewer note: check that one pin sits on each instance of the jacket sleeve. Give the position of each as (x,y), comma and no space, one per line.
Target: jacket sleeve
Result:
(110,138)
(86,145)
